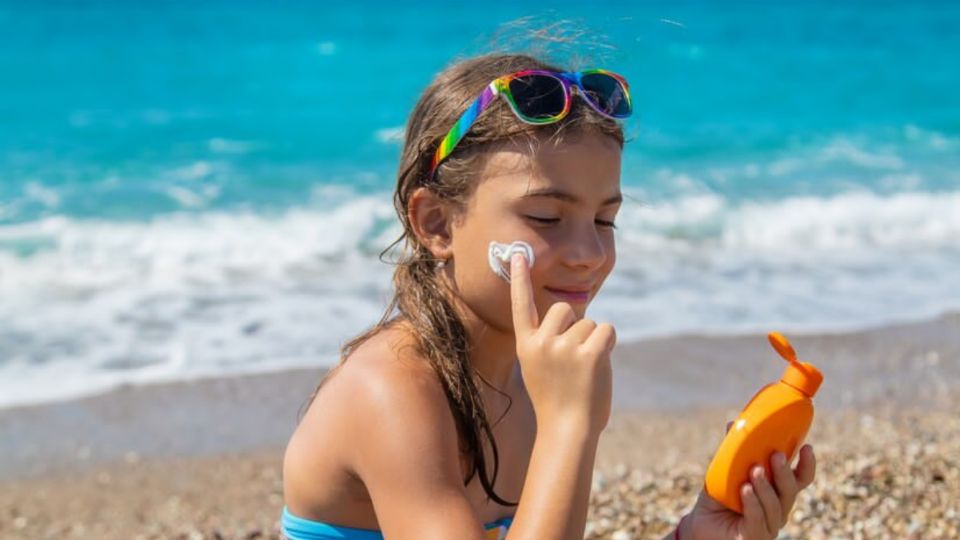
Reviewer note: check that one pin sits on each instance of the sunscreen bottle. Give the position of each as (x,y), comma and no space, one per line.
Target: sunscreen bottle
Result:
(775,419)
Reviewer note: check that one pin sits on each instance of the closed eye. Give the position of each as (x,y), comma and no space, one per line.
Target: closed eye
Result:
(610,224)
(543,220)
(601,222)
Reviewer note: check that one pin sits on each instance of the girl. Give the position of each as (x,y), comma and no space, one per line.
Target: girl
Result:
(478,392)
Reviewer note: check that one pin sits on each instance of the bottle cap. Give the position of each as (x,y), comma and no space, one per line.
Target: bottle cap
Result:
(803,376)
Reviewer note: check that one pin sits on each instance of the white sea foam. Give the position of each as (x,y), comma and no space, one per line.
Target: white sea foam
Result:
(843,149)
(391,135)
(185,197)
(932,139)
(94,303)
(220,145)
(195,171)
(42,194)
(106,302)
(850,220)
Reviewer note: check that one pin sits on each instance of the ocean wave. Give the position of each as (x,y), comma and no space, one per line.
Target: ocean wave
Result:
(47,196)
(219,145)
(183,247)
(851,220)
(390,135)
(932,139)
(104,303)
(99,303)
(843,149)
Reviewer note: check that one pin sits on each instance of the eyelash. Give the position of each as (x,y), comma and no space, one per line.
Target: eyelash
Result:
(610,224)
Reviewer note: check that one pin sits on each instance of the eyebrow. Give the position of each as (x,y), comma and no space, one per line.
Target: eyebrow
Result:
(567,197)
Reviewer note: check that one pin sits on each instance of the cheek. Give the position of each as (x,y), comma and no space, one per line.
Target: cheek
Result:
(486,293)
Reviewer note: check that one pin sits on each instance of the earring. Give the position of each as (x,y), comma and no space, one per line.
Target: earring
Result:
(441,263)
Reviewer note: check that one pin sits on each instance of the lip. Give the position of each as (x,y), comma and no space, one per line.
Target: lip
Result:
(571,295)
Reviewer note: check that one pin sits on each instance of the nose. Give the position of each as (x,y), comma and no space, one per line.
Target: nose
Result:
(586,249)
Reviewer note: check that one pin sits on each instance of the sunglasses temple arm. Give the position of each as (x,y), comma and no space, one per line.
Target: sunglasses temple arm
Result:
(463,125)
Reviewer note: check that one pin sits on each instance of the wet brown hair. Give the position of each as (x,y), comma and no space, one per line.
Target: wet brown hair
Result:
(420,297)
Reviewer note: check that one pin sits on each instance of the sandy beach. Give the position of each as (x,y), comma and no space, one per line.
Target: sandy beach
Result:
(201,459)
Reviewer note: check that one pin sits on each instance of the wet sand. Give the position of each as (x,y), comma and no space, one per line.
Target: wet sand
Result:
(201,459)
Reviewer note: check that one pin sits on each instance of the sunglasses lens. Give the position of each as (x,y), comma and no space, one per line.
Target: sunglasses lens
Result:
(607,94)
(538,97)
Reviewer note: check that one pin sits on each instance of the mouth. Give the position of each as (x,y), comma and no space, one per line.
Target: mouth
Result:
(579,295)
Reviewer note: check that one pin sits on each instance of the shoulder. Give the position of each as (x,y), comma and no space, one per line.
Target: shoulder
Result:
(384,419)
(388,402)
(385,372)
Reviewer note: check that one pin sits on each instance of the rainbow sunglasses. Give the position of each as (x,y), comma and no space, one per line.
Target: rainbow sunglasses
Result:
(543,97)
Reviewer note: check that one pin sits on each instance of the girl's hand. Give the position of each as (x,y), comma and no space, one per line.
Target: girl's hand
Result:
(565,362)
(766,504)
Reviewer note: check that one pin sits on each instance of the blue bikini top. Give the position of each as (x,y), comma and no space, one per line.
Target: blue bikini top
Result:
(298,528)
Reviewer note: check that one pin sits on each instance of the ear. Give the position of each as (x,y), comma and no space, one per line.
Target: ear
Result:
(431,219)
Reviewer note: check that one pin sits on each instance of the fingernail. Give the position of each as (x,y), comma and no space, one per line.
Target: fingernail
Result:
(758,472)
(779,458)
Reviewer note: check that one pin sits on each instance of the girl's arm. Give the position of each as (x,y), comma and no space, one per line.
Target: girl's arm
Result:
(405,452)
(565,361)
(557,487)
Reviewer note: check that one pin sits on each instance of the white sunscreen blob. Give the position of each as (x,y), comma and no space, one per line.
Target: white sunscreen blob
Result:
(498,255)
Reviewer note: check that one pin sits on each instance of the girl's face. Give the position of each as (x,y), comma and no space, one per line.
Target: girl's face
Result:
(562,200)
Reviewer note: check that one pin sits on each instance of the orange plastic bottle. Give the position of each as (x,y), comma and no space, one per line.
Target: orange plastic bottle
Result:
(776,418)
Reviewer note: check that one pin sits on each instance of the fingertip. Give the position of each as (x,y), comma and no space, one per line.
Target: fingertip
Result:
(611,333)
(750,503)
(807,466)
(755,520)
(746,498)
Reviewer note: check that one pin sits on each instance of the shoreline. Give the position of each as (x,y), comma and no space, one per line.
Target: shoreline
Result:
(652,344)
(912,364)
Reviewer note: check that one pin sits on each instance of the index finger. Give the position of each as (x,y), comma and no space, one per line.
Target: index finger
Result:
(525,318)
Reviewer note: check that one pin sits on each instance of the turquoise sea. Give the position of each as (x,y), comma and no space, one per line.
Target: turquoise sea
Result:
(192,188)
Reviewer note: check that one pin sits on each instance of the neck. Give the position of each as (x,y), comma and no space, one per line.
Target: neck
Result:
(493,352)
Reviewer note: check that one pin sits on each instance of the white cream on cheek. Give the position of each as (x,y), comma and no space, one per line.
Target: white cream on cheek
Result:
(498,255)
